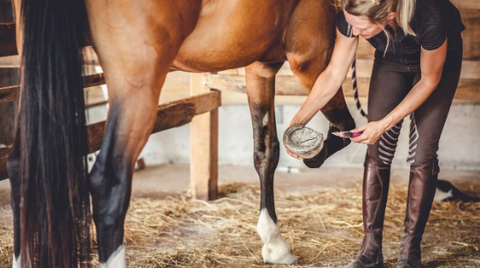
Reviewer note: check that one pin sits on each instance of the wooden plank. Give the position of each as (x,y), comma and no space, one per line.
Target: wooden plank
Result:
(94,80)
(290,87)
(8,94)
(285,85)
(471,35)
(170,115)
(470,69)
(10,62)
(3,162)
(466,4)
(8,44)
(203,148)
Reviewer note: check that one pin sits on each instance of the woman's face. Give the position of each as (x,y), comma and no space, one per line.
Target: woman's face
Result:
(362,26)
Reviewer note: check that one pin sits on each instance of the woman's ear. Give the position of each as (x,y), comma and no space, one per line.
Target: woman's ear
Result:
(391,16)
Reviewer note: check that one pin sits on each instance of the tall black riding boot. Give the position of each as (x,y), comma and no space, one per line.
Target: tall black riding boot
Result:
(423,182)
(376,179)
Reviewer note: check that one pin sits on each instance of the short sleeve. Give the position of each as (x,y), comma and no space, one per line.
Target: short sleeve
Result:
(343,26)
(434,29)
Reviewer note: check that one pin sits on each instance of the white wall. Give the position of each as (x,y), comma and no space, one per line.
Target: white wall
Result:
(459,147)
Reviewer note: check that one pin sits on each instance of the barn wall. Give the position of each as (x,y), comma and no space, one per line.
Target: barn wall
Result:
(458,146)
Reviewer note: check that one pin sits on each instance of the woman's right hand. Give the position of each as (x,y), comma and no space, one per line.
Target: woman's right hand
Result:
(292,154)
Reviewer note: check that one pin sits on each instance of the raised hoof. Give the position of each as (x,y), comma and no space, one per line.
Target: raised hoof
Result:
(331,145)
(317,160)
(410,263)
(363,262)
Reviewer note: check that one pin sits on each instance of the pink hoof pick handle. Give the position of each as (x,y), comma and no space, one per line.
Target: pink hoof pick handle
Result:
(347,134)
(303,141)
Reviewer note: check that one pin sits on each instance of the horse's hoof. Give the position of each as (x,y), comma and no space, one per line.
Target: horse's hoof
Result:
(279,253)
(303,141)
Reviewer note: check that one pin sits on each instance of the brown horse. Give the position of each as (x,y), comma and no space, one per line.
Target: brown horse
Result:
(138,42)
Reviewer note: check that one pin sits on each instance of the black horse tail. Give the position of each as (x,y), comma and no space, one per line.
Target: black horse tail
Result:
(55,212)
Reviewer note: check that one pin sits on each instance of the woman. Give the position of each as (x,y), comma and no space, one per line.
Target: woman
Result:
(416,71)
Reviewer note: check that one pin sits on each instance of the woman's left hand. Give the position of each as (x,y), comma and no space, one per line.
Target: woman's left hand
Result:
(371,132)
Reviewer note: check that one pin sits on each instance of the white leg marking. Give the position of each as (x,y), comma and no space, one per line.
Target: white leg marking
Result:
(265,119)
(117,260)
(17,262)
(276,249)
(441,196)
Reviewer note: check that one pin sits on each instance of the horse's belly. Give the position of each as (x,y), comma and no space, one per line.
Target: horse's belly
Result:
(231,34)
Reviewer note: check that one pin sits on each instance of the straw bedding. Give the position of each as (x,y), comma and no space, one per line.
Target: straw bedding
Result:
(324,227)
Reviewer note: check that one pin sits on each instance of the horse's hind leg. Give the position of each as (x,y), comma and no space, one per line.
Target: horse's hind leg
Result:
(130,122)
(13,163)
(308,45)
(13,166)
(135,61)
(260,79)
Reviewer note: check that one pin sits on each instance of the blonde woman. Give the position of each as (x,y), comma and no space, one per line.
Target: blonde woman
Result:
(416,70)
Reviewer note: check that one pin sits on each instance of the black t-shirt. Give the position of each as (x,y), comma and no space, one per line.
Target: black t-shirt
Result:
(433,22)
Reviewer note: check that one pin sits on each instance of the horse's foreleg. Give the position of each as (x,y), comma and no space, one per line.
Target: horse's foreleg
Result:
(306,69)
(309,42)
(13,165)
(261,92)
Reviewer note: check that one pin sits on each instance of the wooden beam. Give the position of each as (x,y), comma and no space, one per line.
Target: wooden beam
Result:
(466,4)
(10,62)
(170,115)
(203,147)
(8,94)
(8,43)
(3,162)
(285,85)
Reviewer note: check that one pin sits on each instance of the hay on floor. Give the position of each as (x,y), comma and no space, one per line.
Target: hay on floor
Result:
(324,227)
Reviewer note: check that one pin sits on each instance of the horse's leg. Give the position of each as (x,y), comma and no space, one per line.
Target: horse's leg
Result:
(260,79)
(309,44)
(130,122)
(13,165)
(135,61)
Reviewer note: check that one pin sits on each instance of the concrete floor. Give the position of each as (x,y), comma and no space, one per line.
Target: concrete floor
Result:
(172,179)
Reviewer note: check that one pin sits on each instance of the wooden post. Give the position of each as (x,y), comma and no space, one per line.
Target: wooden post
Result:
(203,147)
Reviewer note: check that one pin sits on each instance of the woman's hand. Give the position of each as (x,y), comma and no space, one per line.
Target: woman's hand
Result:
(292,154)
(371,132)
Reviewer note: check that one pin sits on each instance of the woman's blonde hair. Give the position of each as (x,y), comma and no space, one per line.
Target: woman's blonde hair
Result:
(378,10)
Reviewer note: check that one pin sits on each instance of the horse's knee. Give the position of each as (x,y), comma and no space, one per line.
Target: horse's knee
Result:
(301,64)
(266,155)
(13,169)
(110,220)
(264,70)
